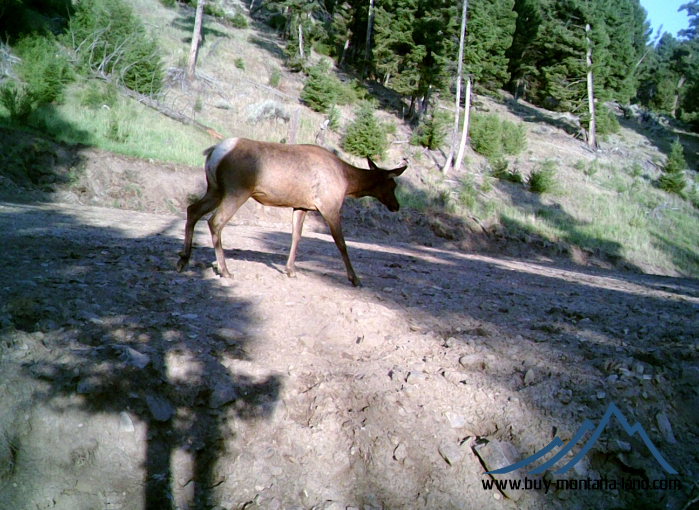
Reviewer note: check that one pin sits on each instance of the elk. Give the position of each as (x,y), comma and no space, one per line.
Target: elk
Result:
(303,177)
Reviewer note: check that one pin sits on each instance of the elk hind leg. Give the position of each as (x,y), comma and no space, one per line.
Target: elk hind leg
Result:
(218,220)
(208,203)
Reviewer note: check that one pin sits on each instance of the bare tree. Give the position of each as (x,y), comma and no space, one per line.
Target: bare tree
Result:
(367,50)
(303,56)
(464,133)
(591,135)
(455,131)
(196,37)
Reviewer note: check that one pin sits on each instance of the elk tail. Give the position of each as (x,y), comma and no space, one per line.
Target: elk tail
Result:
(210,168)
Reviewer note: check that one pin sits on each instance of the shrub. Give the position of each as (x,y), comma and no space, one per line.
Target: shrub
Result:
(334,118)
(672,183)
(493,138)
(239,21)
(323,90)
(108,38)
(672,180)
(432,131)
(275,77)
(542,179)
(500,170)
(42,69)
(266,110)
(365,136)
(214,10)
(486,135)
(514,138)
(675,161)
(240,63)
(17,101)
(591,170)
(99,94)
(607,123)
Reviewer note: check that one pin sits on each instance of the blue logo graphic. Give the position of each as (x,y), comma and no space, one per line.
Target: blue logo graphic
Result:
(587,425)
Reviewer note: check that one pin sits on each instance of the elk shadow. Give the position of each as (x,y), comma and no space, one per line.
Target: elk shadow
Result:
(137,344)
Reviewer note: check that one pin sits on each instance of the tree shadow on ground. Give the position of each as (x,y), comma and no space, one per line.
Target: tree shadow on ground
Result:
(581,313)
(158,344)
(137,344)
(528,113)
(184,22)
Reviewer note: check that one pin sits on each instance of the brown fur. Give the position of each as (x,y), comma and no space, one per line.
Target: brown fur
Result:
(303,177)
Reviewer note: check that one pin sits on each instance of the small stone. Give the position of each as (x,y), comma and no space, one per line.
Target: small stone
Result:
(125,423)
(472,362)
(415,377)
(529,377)
(86,386)
(665,428)
(222,394)
(134,358)
(565,396)
(159,408)
(400,452)
(455,420)
(601,394)
(451,454)
(455,377)
(690,376)
(499,454)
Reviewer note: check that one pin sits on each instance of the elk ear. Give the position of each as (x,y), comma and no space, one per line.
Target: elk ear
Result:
(372,165)
(397,171)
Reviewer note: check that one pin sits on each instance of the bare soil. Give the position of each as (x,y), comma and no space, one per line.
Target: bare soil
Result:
(126,385)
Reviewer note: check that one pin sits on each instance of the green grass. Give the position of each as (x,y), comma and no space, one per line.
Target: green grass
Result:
(616,215)
(126,128)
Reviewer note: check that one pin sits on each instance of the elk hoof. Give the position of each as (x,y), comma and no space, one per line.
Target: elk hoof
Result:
(181,264)
(356,282)
(290,272)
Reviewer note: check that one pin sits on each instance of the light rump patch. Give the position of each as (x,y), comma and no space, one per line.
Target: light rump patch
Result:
(220,152)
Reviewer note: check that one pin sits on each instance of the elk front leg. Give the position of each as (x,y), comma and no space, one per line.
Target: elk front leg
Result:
(296,227)
(218,220)
(208,203)
(333,221)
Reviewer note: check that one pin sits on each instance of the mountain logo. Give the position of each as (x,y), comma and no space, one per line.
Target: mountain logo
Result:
(587,425)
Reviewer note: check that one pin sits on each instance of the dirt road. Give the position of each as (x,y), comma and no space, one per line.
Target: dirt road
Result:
(125,385)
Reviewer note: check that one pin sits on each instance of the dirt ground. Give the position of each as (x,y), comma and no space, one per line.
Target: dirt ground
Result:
(125,385)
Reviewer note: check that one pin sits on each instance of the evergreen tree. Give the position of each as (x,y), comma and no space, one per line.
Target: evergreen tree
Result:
(489,35)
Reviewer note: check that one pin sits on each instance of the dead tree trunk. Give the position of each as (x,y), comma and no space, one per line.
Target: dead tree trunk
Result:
(591,138)
(676,101)
(367,49)
(464,133)
(303,56)
(459,67)
(196,37)
(344,51)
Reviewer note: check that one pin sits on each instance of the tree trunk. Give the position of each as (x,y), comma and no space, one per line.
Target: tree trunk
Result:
(677,96)
(196,37)
(459,67)
(301,41)
(367,49)
(426,100)
(344,51)
(591,138)
(464,133)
